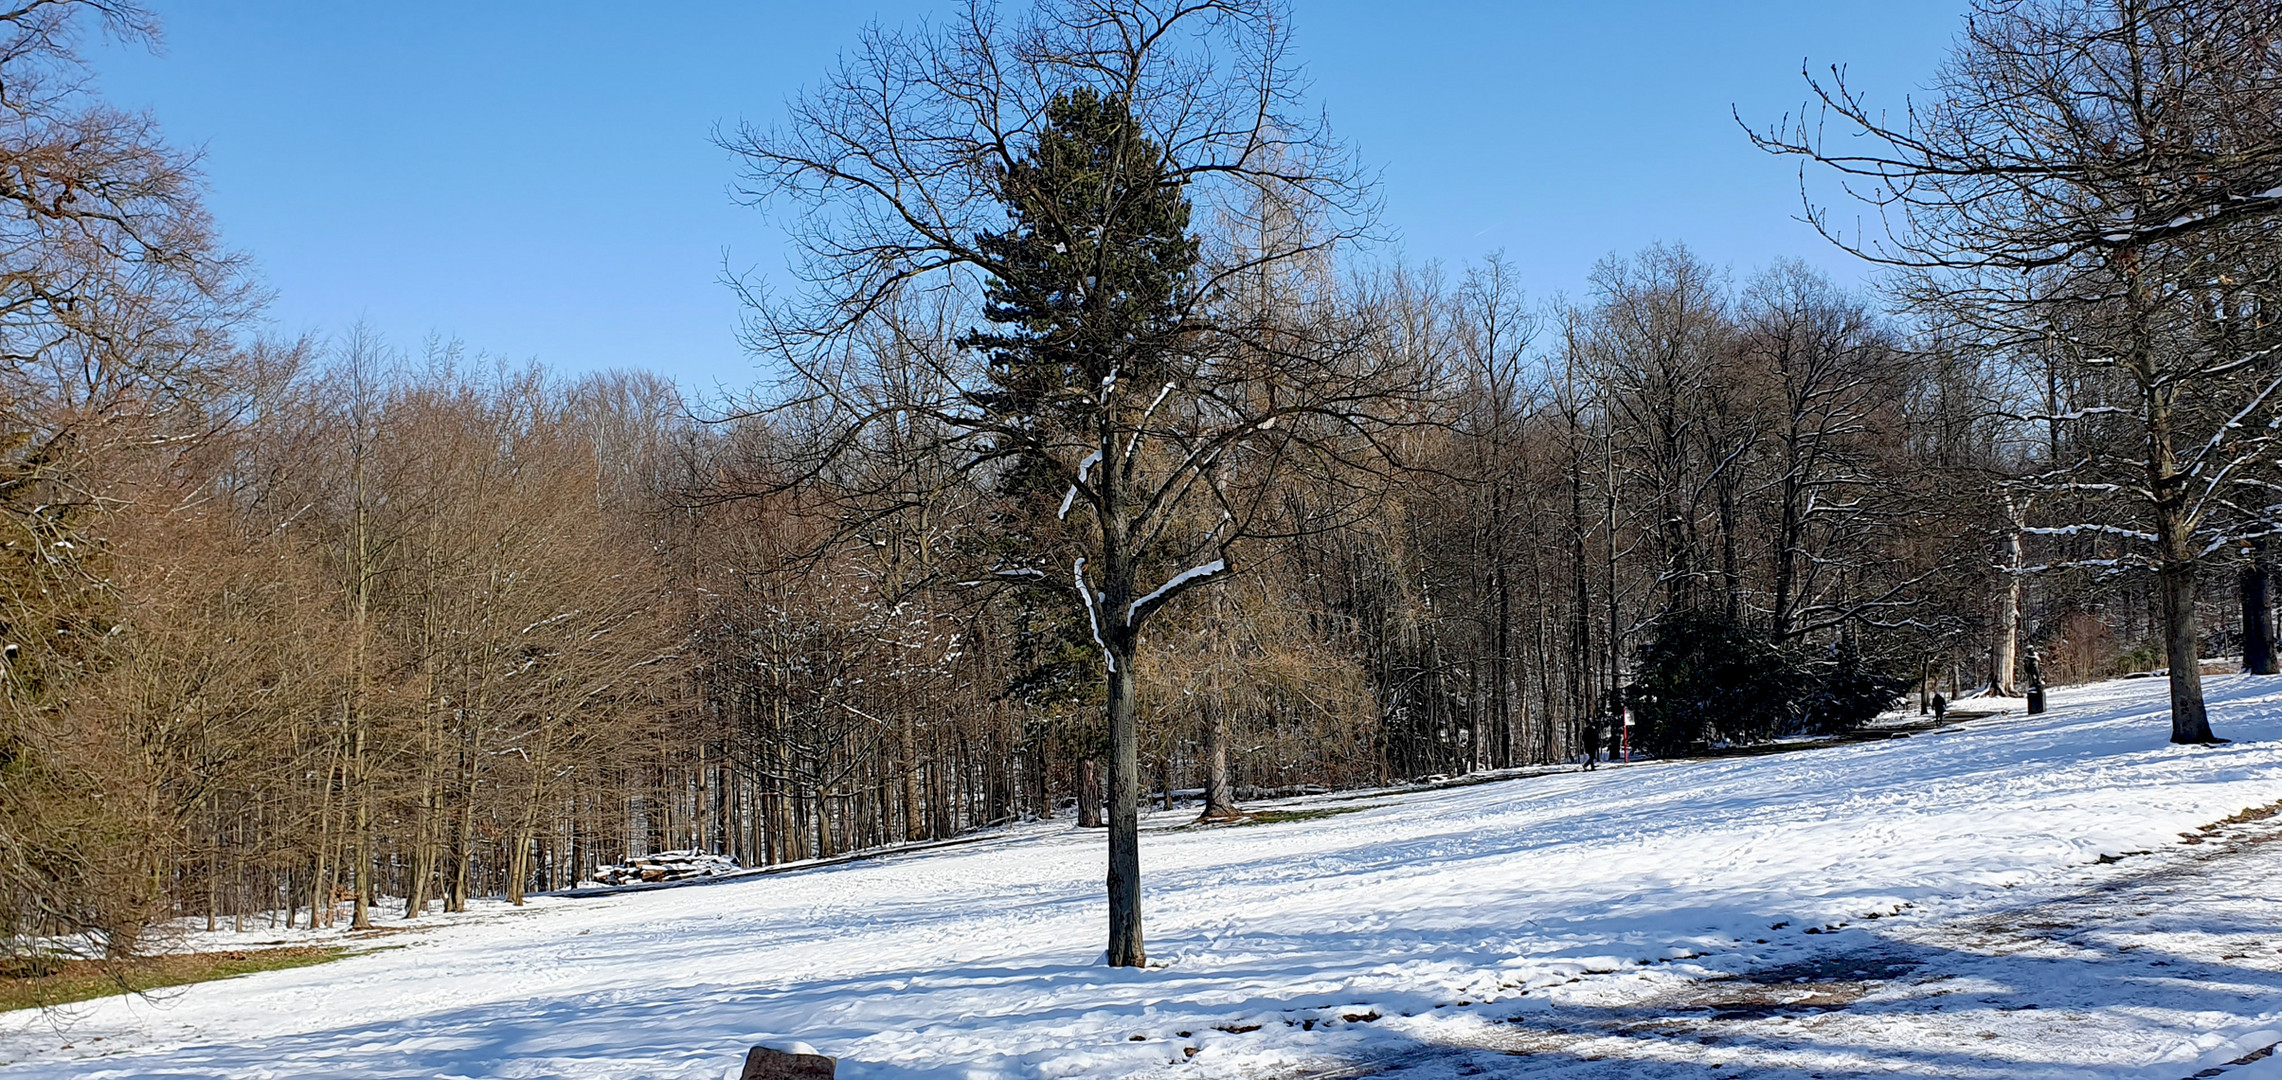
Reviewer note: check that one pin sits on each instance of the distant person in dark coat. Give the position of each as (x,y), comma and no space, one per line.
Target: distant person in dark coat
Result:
(1940,706)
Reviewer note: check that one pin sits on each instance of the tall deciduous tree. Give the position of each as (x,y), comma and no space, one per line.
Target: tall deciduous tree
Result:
(2106,174)
(117,303)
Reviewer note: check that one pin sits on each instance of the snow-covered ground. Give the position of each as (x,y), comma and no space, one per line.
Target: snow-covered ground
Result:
(1929,906)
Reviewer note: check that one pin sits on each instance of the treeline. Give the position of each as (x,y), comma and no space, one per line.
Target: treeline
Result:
(296,629)
(413,630)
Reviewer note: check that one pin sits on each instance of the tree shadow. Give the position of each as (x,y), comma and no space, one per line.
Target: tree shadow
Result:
(1285,990)
(1831,1010)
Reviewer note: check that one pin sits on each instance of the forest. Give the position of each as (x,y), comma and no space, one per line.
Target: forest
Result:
(1103,458)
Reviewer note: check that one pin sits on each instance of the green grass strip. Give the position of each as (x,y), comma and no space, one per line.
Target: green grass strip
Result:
(46,983)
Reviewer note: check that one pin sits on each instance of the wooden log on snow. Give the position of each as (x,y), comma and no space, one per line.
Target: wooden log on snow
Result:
(769,1063)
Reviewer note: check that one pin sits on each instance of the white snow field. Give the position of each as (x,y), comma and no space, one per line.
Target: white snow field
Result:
(1929,906)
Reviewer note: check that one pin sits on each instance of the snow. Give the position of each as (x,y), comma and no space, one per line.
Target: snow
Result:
(1071,496)
(1177,580)
(666,866)
(1926,906)
(2268,1068)
(2103,530)
(1093,617)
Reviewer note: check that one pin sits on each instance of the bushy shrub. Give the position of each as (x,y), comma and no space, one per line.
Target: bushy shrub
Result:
(1704,679)
(1845,693)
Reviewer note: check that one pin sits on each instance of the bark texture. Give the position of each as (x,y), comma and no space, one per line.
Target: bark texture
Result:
(2257,613)
(1219,792)
(1125,948)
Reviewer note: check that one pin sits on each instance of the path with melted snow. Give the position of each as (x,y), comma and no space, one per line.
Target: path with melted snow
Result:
(1931,906)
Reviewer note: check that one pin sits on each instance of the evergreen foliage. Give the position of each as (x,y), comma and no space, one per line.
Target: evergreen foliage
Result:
(1705,679)
(1846,692)
(1091,279)
(1091,286)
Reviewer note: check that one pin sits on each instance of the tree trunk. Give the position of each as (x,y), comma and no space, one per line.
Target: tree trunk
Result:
(423,868)
(423,845)
(2257,614)
(825,845)
(2189,723)
(914,827)
(1089,793)
(518,864)
(361,919)
(463,854)
(2005,624)
(2174,542)
(1124,807)
(1219,793)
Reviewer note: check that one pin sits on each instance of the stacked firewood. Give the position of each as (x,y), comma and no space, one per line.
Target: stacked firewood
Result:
(666,866)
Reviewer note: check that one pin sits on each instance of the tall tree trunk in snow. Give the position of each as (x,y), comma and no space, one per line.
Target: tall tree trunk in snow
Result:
(2257,613)
(2005,625)
(2189,722)
(518,863)
(2175,574)
(463,846)
(1125,949)
(360,847)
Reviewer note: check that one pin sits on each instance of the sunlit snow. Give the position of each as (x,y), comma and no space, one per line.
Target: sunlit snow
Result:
(1928,906)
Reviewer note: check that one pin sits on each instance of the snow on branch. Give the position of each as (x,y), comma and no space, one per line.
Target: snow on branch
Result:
(2232,207)
(1071,496)
(2229,467)
(2085,413)
(555,618)
(2226,539)
(2104,567)
(1179,581)
(1143,425)
(1093,617)
(2108,530)
(2233,423)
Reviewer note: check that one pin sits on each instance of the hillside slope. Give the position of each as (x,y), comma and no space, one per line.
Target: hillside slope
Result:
(1925,906)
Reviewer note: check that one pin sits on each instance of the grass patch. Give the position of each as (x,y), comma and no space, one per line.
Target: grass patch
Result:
(2253,813)
(1278,817)
(44,983)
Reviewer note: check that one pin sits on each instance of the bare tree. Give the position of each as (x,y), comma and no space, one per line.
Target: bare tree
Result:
(117,304)
(2098,171)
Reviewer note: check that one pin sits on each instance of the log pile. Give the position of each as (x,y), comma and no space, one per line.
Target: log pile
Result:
(666,866)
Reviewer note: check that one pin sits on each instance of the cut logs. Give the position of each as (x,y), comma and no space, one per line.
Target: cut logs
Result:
(667,866)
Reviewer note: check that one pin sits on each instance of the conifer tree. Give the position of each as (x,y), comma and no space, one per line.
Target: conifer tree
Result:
(1090,288)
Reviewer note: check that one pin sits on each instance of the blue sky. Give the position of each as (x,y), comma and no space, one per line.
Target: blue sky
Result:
(536,179)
